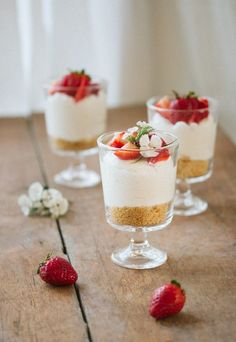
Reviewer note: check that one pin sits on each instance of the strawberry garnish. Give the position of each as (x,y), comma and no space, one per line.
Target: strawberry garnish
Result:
(133,153)
(186,108)
(117,141)
(140,142)
(163,155)
(167,300)
(81,92)
(57,271)
(164,102)
(76,84)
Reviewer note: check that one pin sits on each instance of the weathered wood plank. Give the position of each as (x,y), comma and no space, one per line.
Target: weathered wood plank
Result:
(201,254)
(29,309)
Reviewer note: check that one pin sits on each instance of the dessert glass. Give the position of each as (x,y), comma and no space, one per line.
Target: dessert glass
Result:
(73,128)
(138,198)
(196,151)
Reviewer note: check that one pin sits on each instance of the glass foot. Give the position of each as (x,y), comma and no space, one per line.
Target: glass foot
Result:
(188,206)
(77,177)
(139,257)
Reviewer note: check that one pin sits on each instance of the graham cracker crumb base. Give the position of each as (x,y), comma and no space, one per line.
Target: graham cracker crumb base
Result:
(84,144)
(139,216)
(188,168)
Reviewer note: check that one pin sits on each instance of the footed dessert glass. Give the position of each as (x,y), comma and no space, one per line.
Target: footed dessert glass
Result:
(196,148)
(75,117)
(138,196)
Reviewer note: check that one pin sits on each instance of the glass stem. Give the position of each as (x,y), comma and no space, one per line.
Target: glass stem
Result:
(139,242)
(81,166)
(77,170)
(183,194)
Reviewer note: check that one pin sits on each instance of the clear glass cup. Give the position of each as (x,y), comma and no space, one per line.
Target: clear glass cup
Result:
(196,151)
(73,128)
(138,198)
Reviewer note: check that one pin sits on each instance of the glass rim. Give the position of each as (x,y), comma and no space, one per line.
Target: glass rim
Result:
(100,143)
(150,105)
(98,82)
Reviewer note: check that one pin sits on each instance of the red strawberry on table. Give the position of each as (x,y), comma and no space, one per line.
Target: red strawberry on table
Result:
(167,300)
(57,271)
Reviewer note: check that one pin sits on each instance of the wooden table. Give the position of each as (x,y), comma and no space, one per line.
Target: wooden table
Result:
(110,303)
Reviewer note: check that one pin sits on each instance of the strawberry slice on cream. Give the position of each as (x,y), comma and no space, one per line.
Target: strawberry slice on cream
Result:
(128,152)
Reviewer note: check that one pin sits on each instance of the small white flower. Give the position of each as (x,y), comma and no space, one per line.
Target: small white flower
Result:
(142,124)
(132,129)
(144,140)
(148,153)
(60,208)
(25,211)
(155,141)
(63,205)
(55,211)
(35,191)
(38,205)
(25,204)
(50,197)
(48,202)
(125,135)
(24,200)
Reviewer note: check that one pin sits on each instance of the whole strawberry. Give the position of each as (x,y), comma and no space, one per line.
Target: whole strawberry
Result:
(167,300)
(57,271)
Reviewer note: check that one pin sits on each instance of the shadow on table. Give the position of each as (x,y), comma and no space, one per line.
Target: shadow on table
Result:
(182,319)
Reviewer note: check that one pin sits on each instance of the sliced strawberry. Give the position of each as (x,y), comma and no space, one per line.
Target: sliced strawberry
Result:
(199,115)
(93,89)
(163,155)
(164,102)
(117,141)
(81,92)
(128,155)
(204,102)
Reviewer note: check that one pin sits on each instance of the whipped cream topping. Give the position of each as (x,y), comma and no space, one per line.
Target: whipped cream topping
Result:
(196,141)
(136,183)
(72,121)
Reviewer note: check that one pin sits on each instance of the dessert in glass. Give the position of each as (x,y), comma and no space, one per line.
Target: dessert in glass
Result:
(193,120)
(75,117)
(138,169)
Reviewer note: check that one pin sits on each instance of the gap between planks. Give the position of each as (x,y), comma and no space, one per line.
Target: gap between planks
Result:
(39,159)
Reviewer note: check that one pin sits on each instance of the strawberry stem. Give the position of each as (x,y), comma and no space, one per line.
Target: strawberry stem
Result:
(42,263)
(175,282)
(79,72)
(177,96)
(191,94)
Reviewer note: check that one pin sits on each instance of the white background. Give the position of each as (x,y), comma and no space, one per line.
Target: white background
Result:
(142,47)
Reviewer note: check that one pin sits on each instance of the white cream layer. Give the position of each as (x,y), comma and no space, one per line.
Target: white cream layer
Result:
(73,121)
(196,141)
(136,184)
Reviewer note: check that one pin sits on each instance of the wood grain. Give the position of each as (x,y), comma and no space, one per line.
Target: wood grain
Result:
(30,310)
(201,253)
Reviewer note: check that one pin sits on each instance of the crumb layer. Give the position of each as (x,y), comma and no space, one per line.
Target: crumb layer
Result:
(84,144)
(139,216)
(188,168)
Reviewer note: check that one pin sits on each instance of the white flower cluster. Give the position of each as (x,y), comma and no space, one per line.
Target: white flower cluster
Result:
(142,124)
(43,202)
(150,143)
